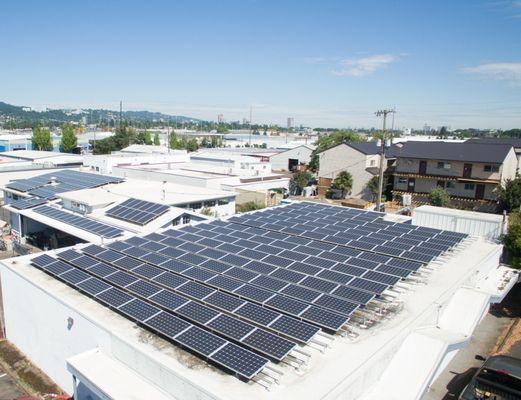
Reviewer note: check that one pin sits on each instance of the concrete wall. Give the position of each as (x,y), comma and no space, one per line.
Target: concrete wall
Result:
(345,158)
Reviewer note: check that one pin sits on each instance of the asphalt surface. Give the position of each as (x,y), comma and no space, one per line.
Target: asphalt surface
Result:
(9,390)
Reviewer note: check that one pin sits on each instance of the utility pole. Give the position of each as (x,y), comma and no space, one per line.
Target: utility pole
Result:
(249,141)
(120,114)
(382,156)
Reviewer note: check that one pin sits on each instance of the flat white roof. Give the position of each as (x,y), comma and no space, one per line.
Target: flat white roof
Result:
(90,197)
(165,193)
(347,369)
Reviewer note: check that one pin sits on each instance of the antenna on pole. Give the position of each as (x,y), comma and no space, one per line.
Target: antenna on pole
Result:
(120,114)
(382,155)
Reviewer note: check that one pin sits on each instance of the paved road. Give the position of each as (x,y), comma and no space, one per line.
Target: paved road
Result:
(8,388)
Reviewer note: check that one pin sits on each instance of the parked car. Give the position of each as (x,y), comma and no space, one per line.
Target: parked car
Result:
(499,378)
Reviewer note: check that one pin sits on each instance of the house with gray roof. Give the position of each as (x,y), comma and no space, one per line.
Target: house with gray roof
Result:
(466,170)
(514,142)
(361,160)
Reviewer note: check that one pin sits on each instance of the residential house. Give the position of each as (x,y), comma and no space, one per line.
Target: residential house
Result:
(361,160)
(290,158)
(514,142)
(465,170)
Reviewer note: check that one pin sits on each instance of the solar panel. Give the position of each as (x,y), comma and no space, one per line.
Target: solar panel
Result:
(27,202)
(79,222)
(167,324)
(139,310)
(269,344)
(230,327)
(201,341)
(239,360)
(138,212)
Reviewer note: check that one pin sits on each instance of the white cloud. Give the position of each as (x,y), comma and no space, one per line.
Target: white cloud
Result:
(314,60)
(510,72)
(365,66)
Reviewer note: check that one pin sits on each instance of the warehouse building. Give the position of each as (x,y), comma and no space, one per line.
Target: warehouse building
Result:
(302,301)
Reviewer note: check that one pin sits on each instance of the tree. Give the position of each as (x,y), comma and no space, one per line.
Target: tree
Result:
(41,139)
(439,197)
(372,186)
(301,179)
(205,142)
(344,182)
(122,138)
(512,240)
(192,145)
(509,195)
(174,144)
(326,142)
(156,139)
(69,141)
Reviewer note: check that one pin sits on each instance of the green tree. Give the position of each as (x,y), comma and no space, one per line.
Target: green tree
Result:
(192,145)
(174,143)
(300,179)
(331,140)
(512,240)
(439,197)
(41,139)
(205,142)
(509,195)
(372,186)
(123,137)
(156,139)
(344,182)
(68,141)
(249,206)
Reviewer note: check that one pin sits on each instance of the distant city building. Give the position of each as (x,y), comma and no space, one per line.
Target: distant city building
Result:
(220,118)
(291,123)
(407,131)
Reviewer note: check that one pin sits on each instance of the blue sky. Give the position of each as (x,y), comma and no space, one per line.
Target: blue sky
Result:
(325,63)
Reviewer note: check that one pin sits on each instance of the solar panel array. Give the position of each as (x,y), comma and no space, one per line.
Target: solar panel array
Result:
(137,211)
(26,202)
(358,229)
(84,223)
(248,285)
(47,186)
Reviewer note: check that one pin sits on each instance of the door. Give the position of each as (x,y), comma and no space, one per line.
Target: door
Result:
(410,184)
(292,164)
(480,192)
(467,170)
(423,167)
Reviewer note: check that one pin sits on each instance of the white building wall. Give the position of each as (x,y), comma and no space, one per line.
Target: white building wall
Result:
(105,163)
(41,333)
(279,162)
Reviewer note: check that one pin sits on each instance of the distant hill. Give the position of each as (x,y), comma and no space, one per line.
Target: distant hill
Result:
(9,112)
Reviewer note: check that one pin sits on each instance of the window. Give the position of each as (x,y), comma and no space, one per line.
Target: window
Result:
(223,202)
(469,186)
(402,180)
(450,185)
(210,203)
(373,163)
(186,219)
(443,165)
(196,206)
(441,184)
(176,221)
(491,168)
